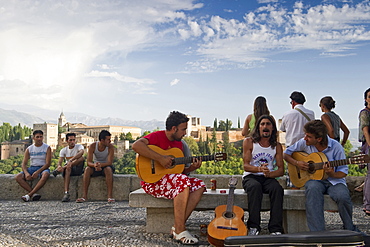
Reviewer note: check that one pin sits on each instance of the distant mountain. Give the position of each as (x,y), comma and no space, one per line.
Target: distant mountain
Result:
(14,117)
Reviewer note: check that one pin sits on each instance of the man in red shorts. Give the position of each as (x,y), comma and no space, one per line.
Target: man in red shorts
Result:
(185,191)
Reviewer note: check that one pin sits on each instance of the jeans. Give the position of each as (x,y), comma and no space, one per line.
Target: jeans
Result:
(315,190)
(255,186)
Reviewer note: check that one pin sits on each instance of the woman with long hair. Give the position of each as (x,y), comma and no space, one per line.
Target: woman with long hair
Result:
(260,108)
(332,121)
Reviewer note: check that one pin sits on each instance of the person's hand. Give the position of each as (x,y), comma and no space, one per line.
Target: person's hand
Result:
(265,170)
(197,162)
(35,175)
(97,166)
(327,169)
(166,161)
(302,165)
(27,176)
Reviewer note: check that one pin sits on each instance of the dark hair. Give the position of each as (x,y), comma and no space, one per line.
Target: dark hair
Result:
(256,135)
(318,129)
(328,102)
(365,95)
(37,132)
(260,107)
(175,119)
(70,134)
(298,97)
(103,134)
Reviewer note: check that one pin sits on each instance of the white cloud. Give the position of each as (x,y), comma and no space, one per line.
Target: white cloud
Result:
(273,29)
(174,82)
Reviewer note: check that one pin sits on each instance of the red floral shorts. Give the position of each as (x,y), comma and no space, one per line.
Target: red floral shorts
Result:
(170,185)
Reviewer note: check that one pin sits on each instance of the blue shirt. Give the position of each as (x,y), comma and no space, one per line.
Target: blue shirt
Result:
(334,151)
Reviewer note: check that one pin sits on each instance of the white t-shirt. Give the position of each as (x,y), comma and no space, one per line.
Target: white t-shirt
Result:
(68,153)
(38,154)
(293,122)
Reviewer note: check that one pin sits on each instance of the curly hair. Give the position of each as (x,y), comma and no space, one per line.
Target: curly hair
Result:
(318,129)
(175,118)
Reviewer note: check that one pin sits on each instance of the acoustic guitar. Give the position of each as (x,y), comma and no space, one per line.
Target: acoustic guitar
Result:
(151,171)
(316,163)
(229,220)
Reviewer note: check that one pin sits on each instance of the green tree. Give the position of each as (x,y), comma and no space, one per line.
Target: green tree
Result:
(193,145)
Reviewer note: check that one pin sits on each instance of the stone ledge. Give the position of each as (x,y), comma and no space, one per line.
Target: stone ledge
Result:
(122,186)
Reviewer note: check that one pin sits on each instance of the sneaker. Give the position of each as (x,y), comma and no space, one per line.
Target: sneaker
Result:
(36,197)
(253,232)
(66,197)
(275,233)
(55,173)
(26,198)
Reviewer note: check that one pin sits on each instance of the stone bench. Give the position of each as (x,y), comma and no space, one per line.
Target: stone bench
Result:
(159,212)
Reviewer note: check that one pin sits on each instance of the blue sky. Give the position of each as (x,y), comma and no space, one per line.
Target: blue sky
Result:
(139,60)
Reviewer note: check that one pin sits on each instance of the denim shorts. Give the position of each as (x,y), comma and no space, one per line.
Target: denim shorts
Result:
(32,169)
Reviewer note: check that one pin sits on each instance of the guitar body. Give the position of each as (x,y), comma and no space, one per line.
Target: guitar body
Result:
(151,171)
(223,226)
(300,177)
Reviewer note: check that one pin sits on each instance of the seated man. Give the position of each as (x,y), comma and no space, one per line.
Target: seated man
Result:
(260,151)
(39,155)
(185,191)
(316,140)
(99,163)
(74,165)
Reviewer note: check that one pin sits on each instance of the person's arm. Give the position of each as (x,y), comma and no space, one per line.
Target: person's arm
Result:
(245,130)
(24,164)
(366,134)
(279,163)
(331,172)
(141,147)
(300,164)
(90,155)
(326,120)
(247,156)
(345,130)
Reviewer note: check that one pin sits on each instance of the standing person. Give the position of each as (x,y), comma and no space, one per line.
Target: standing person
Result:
(259,153)
(332,121)
(39,155)
(316,140)
(185,191)
(99,163)
(364,138)
(293,121)
(74,163)
(260,108)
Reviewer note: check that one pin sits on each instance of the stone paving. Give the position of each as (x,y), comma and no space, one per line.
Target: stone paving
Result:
(53,223)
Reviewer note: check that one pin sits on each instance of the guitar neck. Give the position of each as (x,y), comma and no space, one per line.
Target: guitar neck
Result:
(230,200)
(186,160)
(333,163)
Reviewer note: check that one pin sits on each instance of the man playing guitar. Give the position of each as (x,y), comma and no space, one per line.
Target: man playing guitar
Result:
(185,191)
(316,140)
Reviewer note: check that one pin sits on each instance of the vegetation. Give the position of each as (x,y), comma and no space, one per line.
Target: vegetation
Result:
(11,133)
(205,146)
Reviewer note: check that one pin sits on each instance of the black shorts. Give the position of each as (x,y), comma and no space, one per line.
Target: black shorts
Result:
(77,170)
(101,173)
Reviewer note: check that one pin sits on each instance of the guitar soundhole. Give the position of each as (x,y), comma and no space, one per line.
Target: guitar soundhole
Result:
(229,215)
(311,167)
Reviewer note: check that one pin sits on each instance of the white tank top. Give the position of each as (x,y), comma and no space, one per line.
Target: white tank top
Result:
(38,154)
(262,155)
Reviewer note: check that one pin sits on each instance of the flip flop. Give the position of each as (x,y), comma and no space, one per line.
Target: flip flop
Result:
(111,200)
(81,200)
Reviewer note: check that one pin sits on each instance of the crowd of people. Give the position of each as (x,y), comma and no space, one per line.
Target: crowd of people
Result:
(263,158)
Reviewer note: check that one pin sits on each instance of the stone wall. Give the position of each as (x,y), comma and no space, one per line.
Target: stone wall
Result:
(122,186)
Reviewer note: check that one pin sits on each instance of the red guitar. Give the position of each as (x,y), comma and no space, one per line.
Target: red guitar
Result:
(229,220)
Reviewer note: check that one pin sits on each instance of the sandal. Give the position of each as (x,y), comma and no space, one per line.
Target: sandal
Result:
(111,200)
(80,200)
(185,238)
(360,188)
(367,212)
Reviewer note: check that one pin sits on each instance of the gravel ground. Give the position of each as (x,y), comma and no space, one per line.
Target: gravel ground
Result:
(53,223)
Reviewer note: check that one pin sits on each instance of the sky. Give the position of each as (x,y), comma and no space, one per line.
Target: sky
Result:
(139,60)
